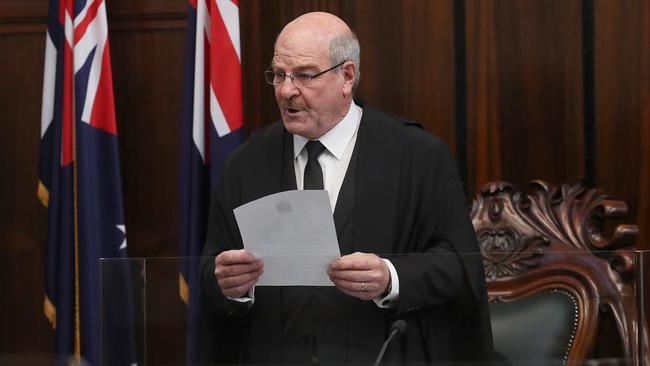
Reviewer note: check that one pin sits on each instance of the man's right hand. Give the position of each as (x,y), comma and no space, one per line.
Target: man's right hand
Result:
(237,271)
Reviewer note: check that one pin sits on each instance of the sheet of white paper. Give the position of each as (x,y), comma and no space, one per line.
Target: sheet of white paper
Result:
(293,233)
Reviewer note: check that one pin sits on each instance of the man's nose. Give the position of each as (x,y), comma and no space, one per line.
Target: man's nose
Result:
(287,88)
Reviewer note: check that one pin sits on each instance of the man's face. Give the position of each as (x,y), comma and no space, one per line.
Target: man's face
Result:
(310,109)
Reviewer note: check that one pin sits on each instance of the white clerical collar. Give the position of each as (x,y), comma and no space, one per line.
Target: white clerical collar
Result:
(336,139)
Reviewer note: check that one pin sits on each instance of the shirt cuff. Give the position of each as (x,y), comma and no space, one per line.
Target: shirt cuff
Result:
(390,300)
(249,298)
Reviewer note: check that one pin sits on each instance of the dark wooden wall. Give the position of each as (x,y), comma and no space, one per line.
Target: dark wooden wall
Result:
(519,89)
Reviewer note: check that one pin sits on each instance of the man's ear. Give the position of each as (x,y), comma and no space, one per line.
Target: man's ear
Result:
(349,75)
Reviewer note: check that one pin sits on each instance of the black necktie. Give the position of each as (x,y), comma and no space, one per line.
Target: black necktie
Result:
(313,178)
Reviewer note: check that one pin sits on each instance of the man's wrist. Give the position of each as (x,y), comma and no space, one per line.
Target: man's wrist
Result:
(388,289)
(391,294)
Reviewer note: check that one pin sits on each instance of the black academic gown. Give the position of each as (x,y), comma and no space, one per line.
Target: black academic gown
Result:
(401,199)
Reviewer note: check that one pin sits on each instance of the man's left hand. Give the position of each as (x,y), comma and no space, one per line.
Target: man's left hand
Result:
(362,275)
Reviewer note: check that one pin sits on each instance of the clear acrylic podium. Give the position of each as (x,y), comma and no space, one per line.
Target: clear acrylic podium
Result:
(606,329)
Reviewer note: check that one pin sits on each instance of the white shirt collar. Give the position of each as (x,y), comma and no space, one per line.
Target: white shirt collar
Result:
(336,139)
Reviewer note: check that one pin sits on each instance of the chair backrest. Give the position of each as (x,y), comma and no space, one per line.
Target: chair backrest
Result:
(551,272)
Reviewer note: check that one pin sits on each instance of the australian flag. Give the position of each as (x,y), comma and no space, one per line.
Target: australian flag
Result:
(80,186)
(211,128)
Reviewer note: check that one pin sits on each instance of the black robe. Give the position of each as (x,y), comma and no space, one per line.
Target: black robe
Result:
(402,199)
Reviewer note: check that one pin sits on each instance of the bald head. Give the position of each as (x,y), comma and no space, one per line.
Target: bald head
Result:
(317,25)
(327,34)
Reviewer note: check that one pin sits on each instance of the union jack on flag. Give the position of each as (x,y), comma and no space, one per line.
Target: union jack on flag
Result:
(211,128)
(80,186)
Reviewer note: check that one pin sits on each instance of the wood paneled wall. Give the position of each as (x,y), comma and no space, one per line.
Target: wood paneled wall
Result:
(519,89)
(525,95)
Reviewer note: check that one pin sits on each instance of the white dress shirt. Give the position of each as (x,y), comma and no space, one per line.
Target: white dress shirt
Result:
(339,144)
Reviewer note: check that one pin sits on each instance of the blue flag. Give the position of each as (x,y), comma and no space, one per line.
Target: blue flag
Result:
(80,186)
(211,128)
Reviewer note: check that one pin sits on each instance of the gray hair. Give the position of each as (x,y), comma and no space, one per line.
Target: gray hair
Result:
(346,48)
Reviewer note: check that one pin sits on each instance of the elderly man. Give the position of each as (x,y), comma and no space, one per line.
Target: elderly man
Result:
(400,217)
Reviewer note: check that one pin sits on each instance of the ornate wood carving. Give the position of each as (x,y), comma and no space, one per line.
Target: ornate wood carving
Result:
(571,214)
(553,238)
(508,253)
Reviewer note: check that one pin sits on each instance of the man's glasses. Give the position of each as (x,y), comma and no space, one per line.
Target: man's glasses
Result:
(276,78)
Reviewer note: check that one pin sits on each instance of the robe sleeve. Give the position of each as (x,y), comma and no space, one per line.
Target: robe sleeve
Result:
(219,238)
(441,263)
(224,322)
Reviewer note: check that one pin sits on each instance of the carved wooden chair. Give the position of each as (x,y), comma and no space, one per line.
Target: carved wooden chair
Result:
(553,276)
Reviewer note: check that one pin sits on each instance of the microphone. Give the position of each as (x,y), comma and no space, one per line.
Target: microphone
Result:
(398,327)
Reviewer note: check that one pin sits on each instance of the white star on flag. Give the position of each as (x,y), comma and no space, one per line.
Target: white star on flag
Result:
(122,228)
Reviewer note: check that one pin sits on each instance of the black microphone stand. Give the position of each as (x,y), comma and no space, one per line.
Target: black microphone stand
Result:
(398,327)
